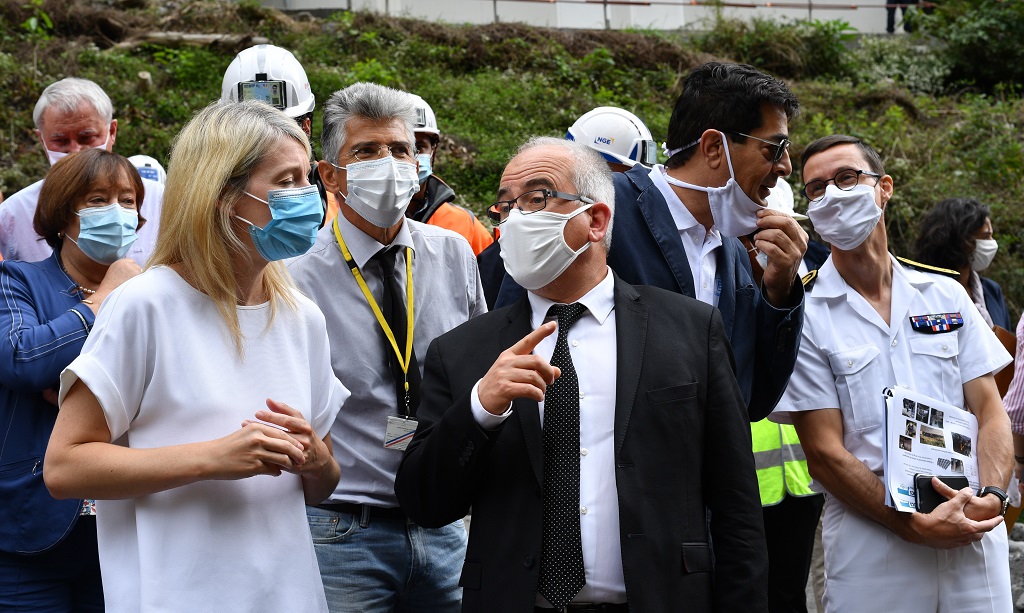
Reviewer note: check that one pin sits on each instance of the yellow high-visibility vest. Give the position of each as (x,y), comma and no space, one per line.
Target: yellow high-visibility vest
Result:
(779,461)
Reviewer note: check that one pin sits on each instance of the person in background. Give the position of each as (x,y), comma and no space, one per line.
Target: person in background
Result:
(607,469)
(194,411)
(272,75)
(890,14)
(1014,403)
(618,135)
(149,168)
(432,204)
(88,212)
(388,286)
(957,234)
(868,327)
(71,115)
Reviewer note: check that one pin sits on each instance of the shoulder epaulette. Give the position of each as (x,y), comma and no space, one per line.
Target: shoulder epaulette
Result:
(808,279)
(928,268)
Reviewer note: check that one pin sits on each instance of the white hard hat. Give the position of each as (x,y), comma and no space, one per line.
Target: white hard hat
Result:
(616,134)
(780,198)
(149,168)
(270,74)
(425,119)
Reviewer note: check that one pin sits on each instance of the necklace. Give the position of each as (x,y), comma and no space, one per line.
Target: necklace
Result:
(86,290)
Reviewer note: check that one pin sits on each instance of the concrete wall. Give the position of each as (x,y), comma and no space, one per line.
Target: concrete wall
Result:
(867,16)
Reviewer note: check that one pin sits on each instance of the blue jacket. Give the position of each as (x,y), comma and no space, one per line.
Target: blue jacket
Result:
(43,324)
(996,304)
(646,250)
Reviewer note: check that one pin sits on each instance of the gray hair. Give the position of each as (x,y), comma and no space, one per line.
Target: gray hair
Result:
(367,100)
(590,174)
(67,94)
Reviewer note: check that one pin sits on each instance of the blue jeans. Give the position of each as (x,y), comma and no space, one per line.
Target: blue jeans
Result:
(61,580)
(387,564)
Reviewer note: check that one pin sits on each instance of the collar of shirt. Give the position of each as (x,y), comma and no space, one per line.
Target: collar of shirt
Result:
(681,216)
(600,301)
(830,284)
(362,246)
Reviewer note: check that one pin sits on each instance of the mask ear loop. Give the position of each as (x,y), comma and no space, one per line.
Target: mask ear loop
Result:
(728,156)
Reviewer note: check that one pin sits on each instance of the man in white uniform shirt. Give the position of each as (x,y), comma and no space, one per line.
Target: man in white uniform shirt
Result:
(607,470)
(858,337)
(70,115)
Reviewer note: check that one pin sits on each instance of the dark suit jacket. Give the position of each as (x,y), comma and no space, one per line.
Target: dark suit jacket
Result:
(646,250)
(682,456)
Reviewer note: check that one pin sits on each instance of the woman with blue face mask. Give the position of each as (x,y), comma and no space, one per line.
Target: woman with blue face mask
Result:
(88,212)
(198,413)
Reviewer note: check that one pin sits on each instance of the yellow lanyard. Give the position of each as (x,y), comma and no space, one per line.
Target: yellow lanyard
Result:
(402,361)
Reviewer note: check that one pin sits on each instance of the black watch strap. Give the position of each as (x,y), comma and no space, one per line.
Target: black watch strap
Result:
(998,493)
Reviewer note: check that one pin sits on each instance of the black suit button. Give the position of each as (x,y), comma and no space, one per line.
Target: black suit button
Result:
(528,561)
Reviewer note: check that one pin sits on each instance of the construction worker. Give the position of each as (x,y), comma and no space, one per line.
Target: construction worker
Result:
(432,204)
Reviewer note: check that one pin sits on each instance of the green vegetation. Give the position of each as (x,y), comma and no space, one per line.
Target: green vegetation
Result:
(944,108)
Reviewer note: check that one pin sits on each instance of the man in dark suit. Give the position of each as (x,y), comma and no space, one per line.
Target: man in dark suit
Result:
(677,224)
(590,491)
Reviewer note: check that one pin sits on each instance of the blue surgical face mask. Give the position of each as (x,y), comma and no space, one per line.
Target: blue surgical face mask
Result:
(425,170)
(106,232)
(295,218)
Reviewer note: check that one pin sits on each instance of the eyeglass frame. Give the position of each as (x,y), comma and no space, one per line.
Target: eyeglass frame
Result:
(494,210)
(856,171)
(781,147)
(410,157)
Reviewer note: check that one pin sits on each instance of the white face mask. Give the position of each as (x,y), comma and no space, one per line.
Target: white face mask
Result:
(533,246)
(54,156)
(845,218)
(734,212)
(380,190)
(984,250)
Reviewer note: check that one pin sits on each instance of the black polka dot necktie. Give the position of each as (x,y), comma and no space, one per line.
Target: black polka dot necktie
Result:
(561,567)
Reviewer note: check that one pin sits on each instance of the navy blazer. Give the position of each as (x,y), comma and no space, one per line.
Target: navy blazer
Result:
(44,326)
(646,250)
(690,522)
(996,304)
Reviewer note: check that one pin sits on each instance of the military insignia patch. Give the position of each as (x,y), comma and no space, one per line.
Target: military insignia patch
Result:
(936,323)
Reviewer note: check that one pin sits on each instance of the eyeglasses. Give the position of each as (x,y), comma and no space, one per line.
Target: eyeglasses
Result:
(530,202)
(844,180)
(779,148)
(375,151)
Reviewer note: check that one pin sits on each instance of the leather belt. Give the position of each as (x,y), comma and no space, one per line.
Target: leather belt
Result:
(586,607)
(357,509)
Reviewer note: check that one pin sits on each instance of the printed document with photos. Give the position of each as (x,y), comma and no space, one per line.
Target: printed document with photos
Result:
(927,436)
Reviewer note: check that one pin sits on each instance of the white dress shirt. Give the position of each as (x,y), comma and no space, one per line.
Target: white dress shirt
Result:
(592,345)
(700,244)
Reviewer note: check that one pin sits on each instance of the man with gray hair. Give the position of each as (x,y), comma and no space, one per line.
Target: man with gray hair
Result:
(388,286)
(70,115)
(608,466)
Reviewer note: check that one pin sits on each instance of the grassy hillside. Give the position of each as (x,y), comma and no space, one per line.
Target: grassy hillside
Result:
(493,86)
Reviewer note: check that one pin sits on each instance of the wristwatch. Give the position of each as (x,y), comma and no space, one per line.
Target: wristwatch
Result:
(998,493)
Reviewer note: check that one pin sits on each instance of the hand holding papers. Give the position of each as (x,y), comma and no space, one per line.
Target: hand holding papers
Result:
(925,436)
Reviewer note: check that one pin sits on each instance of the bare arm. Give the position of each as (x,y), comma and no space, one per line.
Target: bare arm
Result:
(995,443)
(846,478)
(82,463)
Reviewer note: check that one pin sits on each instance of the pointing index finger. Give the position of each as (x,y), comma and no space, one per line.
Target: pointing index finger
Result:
(528,343)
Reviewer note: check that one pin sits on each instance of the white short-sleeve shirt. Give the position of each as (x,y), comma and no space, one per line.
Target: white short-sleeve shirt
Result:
(166,372)
(848,355)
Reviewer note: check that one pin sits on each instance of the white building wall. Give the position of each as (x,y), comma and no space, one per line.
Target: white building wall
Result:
(867,16)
